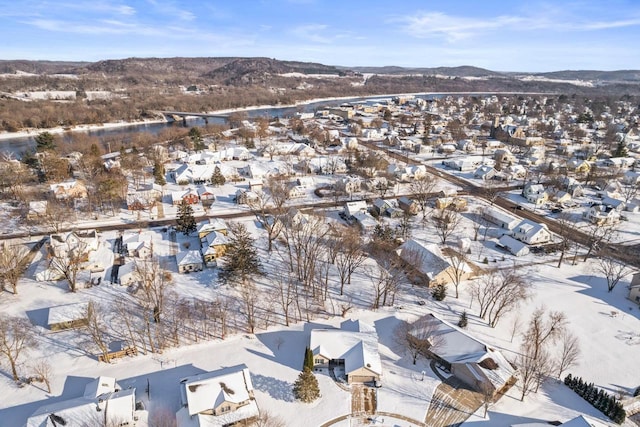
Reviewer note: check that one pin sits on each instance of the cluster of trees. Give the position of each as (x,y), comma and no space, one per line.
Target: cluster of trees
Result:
(600,399)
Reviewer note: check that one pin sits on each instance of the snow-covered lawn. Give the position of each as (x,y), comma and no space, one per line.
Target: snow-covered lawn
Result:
(610,343)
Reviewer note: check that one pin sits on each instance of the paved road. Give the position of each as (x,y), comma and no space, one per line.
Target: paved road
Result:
(626,254)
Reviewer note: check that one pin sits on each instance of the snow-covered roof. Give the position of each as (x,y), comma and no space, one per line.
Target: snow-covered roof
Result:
(458,347)
(189,257)
(215,239)
(67,313)
(103,400)
(427,258)
(207,391)
(358,348)
(514,246)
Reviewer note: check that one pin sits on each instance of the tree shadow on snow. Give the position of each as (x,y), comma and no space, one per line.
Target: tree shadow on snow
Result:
(596,287)
(278,389)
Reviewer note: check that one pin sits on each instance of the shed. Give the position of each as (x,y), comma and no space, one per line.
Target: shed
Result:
(67,316)
(515,247)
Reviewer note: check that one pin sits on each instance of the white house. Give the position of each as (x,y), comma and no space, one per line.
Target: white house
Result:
(532,233)
(219,398)
(189,261)
(351,350)
(601,214)
(500,218)
(428,260)
(104,403)
(512,245)
(351,208)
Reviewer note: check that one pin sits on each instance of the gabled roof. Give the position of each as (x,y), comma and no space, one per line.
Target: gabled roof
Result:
(189,257)
(67,313)
(207,391)
(427,258)
(359,349)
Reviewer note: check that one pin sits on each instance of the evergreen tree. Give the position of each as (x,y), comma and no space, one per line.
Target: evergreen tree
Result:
(241,259)
(196,138)
(439,293)
(308,359)
(568,380)
(217,178)
(185,222)
(45,142)
(305,388)
(462,322)
(158,173)
(621,150)
(637,392)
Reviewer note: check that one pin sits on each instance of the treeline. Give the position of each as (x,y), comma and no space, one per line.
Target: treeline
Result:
(600,399)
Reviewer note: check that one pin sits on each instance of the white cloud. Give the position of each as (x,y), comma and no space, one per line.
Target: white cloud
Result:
(311,32)
(454,28)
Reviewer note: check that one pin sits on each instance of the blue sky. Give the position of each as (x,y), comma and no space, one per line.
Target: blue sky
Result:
(499,35)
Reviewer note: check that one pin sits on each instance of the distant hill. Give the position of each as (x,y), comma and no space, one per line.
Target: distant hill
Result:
(605,76)
(462,71)
(39,67)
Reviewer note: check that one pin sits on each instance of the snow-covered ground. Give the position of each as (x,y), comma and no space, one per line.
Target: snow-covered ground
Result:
(609,342)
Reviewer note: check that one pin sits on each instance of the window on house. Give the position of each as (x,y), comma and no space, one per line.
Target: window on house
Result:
(319,361)
(225,409)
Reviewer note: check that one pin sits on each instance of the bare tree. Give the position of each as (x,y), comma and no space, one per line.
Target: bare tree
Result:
(385,280)
(566,231)
(96,328)
(597,235)
(569,352)
(421,189)
(612,269)
(544,328)
(478,222)
(249,305)
(154,281)
(268,209)
(459,268)
(531,368)
(43,371)
(16,336)
(67,257)
(13,262)
(55,217)
(446,221)
(286,292)
(266,419)
(420,337)
(350,256)
(515,326)
(499,292)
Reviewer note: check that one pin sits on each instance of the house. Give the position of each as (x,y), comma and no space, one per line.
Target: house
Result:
(219,398)
(631,178)
(456,203)
(205,193)
(37,209)
(104,402)
(381,206)
(503,155)
(500,218)
(143,197)
(365,221)
(428,262)
(349,184)
(408,205)
(634,289)
(213,246)
(244,197)
(512,245)
(351,351)
(296,191)
(137,245)
(71,189)
(462,165)
(214,224)
(485,173)
(67,316)
(531,233)
(579,166)
(466,357)
(351,208)
(125,274)
(62,244)
(601,214)
(189,261)
(535,193)
(188,196)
